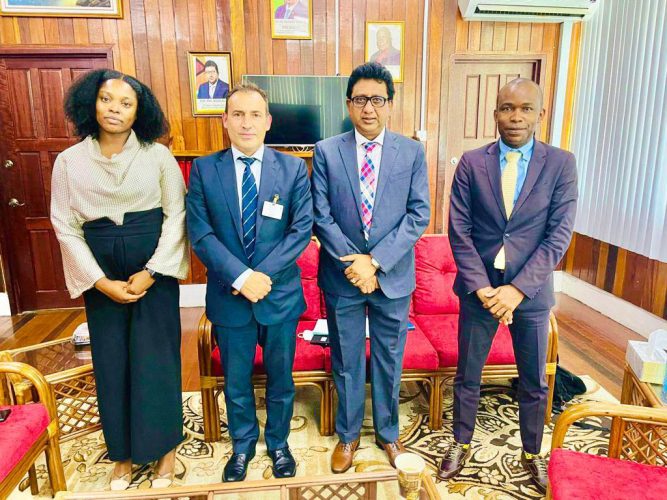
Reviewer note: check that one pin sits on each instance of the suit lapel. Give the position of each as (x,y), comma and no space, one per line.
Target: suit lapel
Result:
(348,152)
(493,172)
(389,152)
(267,183)
(227,177)
(534,169)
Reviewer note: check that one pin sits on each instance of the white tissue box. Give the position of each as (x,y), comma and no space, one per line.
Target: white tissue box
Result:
(649,359)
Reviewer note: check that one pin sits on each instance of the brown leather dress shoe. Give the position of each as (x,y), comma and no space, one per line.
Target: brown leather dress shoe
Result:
(392,449)
(453,460)
(341,458)
(537,468)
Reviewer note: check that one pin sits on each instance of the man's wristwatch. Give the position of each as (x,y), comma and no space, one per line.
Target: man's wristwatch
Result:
(153,274)
(375,263)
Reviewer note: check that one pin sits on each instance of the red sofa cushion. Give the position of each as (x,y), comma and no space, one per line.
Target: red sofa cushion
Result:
(308,262)
(419,353)
(307,356)
(442,331)
(435,268)
(19,432)
(582,476)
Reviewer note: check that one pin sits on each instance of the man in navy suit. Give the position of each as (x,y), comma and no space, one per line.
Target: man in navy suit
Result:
(512,212)
(249,214)
(213,88)
(371,203)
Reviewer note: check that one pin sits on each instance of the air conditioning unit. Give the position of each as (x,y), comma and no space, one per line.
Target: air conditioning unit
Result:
(528,11)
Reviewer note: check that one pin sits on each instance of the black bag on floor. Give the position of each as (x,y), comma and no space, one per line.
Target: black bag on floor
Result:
(566,387)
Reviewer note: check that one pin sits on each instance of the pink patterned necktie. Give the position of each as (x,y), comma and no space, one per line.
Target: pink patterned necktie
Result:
(368,185)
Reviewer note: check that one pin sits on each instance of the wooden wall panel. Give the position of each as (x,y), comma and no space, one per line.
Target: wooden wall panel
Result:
(630,276)
(152,40)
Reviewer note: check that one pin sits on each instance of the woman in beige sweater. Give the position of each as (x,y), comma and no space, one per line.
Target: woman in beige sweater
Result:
(117,206)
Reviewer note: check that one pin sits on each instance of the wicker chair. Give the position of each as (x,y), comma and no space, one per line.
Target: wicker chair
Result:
(31,430)
(636,465)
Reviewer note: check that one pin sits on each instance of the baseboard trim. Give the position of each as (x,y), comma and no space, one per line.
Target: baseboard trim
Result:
(193,296)
(623,312)
(4,305)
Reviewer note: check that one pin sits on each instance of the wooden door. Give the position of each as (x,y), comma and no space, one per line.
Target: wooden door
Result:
(34,130)
(473,87)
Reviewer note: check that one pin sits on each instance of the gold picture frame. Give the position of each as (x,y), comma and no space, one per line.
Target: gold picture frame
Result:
(62,8)
(381,42)
(291,19)
(210,82)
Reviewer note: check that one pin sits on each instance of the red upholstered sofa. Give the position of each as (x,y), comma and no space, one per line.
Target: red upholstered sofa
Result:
(430,351)
(636,465)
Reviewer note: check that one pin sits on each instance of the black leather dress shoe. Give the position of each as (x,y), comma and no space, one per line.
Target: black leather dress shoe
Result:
(537,468)
(237,467)
(453,461)
(284,464)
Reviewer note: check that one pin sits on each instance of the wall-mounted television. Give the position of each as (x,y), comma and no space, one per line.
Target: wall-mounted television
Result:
(305,109)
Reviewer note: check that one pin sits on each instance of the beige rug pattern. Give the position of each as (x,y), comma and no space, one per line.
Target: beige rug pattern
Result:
(492,473)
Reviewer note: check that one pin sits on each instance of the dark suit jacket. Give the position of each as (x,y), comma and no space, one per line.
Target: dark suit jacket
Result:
(299,11)
(535,237)
(400,214)
(215,230)
(221,90)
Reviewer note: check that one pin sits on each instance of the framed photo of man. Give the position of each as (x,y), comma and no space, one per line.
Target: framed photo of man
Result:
(210,81)
(385,44)
(62,8)
(291,19)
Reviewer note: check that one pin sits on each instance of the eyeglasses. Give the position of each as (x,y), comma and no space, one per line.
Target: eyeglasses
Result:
(376,101)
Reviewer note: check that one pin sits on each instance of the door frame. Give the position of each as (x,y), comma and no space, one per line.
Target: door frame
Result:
(12,284)
(444,172)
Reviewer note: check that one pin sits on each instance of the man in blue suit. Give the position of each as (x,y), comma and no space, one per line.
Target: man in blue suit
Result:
(371,202)
(249,214)
(213,88)
(512,214)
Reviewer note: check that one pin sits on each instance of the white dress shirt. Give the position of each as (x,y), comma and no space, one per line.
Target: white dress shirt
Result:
(86,185)
(376,154)
(256,169)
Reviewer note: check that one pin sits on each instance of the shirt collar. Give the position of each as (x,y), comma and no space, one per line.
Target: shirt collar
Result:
(257,155)
(526,150)
(363,140)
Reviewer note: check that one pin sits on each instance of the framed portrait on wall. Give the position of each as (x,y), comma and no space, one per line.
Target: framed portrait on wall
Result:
(62,8)
(384,44)
(291,19)
(210,81)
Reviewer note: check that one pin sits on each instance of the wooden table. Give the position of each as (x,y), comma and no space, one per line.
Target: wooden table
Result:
(359,485)
(634,440)
(69,371)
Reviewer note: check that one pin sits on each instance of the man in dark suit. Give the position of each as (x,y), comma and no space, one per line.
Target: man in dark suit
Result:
(371,203)
(292,9)
(249,214)
(512,212)
(213,88)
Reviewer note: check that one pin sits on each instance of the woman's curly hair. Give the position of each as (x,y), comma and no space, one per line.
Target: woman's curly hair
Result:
(81,98)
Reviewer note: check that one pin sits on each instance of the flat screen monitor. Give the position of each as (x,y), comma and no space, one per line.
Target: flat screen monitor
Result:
(305,109)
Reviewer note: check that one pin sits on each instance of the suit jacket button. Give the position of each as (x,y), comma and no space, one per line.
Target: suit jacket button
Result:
(507,235)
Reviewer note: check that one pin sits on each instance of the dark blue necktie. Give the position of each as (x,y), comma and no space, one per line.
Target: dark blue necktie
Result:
(248,207)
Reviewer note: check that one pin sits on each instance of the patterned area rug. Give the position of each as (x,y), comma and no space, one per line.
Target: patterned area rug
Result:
(493,472)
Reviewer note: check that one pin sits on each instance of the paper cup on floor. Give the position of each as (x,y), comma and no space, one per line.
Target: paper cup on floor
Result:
(410,467)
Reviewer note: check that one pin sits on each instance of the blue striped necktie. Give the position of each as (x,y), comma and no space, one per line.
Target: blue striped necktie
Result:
(249,207)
